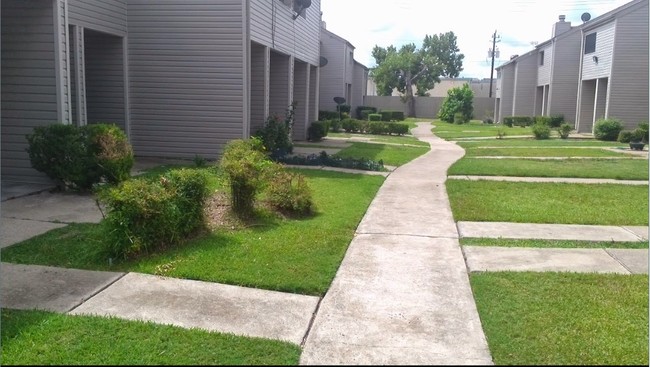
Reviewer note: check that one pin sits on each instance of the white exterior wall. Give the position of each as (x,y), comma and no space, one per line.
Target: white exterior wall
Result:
(604,51)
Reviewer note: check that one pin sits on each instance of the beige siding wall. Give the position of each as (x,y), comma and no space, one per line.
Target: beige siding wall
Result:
(332,75)
(259,86)
(604,51)
(102,15)
(629,81)
(271,24)
(588,95)
(29,84)
(186,68)
(301,97)
(507,91)
(359,86)
(280,85)
(525,85)
(544,71)
(314,80)
(564,85)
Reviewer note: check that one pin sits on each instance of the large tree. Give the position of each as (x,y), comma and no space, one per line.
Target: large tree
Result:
(409,66)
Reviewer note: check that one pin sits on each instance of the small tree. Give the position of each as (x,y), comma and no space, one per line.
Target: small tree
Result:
(458,100)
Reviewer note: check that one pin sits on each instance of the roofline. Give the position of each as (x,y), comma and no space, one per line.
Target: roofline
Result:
(337,37)
(360,64)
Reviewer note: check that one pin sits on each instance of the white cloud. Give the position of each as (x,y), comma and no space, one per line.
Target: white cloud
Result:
(366,23)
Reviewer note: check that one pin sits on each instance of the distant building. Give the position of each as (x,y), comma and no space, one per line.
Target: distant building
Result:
(480,87)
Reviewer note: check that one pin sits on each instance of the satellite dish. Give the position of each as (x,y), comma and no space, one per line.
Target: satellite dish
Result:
(299,6)
(585,17)
(339,100)
(323,61)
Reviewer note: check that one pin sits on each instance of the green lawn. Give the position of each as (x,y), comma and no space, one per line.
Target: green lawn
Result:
(507,242)
(392,155)
(45,338)
(531,142)
(541,152)
(563,318)
(392,139)
(474,129)
(620,169)
(562,203)
(291,255)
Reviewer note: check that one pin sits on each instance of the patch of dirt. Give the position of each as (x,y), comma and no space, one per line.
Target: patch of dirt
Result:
(218,213)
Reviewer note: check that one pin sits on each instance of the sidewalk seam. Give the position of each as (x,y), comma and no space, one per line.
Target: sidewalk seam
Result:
(618,261)
(405,234)
(96,293)
(634,234)
(311,322)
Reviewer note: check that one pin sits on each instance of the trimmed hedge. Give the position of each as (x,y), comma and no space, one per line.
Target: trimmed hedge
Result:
(317,130)
(328,115)
(374,117)
(607,129)
(522,121)
(323,159)
(360,110)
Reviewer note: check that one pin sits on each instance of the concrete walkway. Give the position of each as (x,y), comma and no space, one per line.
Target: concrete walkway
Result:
(402,293)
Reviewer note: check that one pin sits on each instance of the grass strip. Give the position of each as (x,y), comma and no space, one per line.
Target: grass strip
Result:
(537,243)
(532,142)
(392,155)
(563,318)
(404,139)
(556,152)
(562,203)
(45,338)
(619,169)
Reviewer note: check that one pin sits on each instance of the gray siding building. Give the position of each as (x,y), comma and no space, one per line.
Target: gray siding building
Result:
(181,77)
(598,69)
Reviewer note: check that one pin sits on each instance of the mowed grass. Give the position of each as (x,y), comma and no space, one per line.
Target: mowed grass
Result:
(562,203)
(563,318)
(391,139)
(537,243)
(542,152)
(45,338)
(392,155)
(291,255)
(532,142)
(474,129)
(619,169)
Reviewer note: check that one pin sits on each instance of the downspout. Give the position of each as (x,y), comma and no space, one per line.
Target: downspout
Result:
(246,69)
(579,99)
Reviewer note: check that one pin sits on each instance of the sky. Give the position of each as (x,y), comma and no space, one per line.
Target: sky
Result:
(518,23)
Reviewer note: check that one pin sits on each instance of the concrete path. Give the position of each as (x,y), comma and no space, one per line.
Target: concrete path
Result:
(550,179)
(575,232)
(402,293)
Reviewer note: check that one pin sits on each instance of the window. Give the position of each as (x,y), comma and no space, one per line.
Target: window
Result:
(351,57)
(590,43)
(541,58)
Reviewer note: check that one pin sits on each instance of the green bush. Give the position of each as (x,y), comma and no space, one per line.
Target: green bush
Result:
(317,130)
(386,115)
(334,125)
(459,118)
(541,130)
(564,130)
(625,136)
(488,120)
(244,164)
(275,136)
(76,158)
(398,128)
(643,131)
(542,119)
(607,129)
(378,127)
(289,193)
(351,125)
(360,110)
(458,100)
(374,117)
(144,215)
(344,108)
(398,116)
(508,121)
(556,120)
(328,115)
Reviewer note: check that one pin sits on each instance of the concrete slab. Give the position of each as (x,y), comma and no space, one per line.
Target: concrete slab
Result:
(546,231)
(634,260)
(53,207)
(398,300)
(18,230)
(12,190)
(550,179)
(209,306)
(481,258)
(640,231)
(47,288)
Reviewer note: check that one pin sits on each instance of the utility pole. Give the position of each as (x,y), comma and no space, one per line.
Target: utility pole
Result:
(493,52)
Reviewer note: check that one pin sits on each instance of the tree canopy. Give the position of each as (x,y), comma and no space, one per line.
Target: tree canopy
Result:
(410,66)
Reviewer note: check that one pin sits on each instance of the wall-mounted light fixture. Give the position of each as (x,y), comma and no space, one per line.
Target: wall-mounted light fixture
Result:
(595,58)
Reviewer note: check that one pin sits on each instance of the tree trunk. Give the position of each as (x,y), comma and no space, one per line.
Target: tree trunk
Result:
(410,101)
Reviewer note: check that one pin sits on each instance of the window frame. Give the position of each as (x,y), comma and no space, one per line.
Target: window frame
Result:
(590,46)
(541,58)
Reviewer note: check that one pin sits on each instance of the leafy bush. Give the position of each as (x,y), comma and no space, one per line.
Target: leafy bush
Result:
(344,108)
(556,120)
(144,215)
(643,131)
(607,129)
(625,136)
(488,120)
(78,157)
(363,115)
(398,128)
(386,115)
(360,110)
(458,100)
(275,136)
(541,130)
(459,118)
(328,115)
(323,159)
(398,116)
(317,130)
(351,125)
(374,117)
(289,193)
(522,121)
(244,164)
(542,119)
(378,127)
(564,130)
(334,125)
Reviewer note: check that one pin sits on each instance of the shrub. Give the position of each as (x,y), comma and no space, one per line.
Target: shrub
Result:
(458,100)
(643,131)
(374,117)
(323,159)
(351,125)
(244,164)
(344,108)
(508,121)
(328,115)
(144,215)
(542,119)
(556,120)
(541,131)
(363,115)
(317,130)
(275,136)
(289,193)
(398,128)
(360,110)
(334,125)
(398,116)
(76,158)
(564,130)
(625,136)
(459,118)
(607,129)
(386,115)
(488,120)
(378,127)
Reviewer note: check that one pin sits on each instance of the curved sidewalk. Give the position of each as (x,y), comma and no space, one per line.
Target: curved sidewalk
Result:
(402,293)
